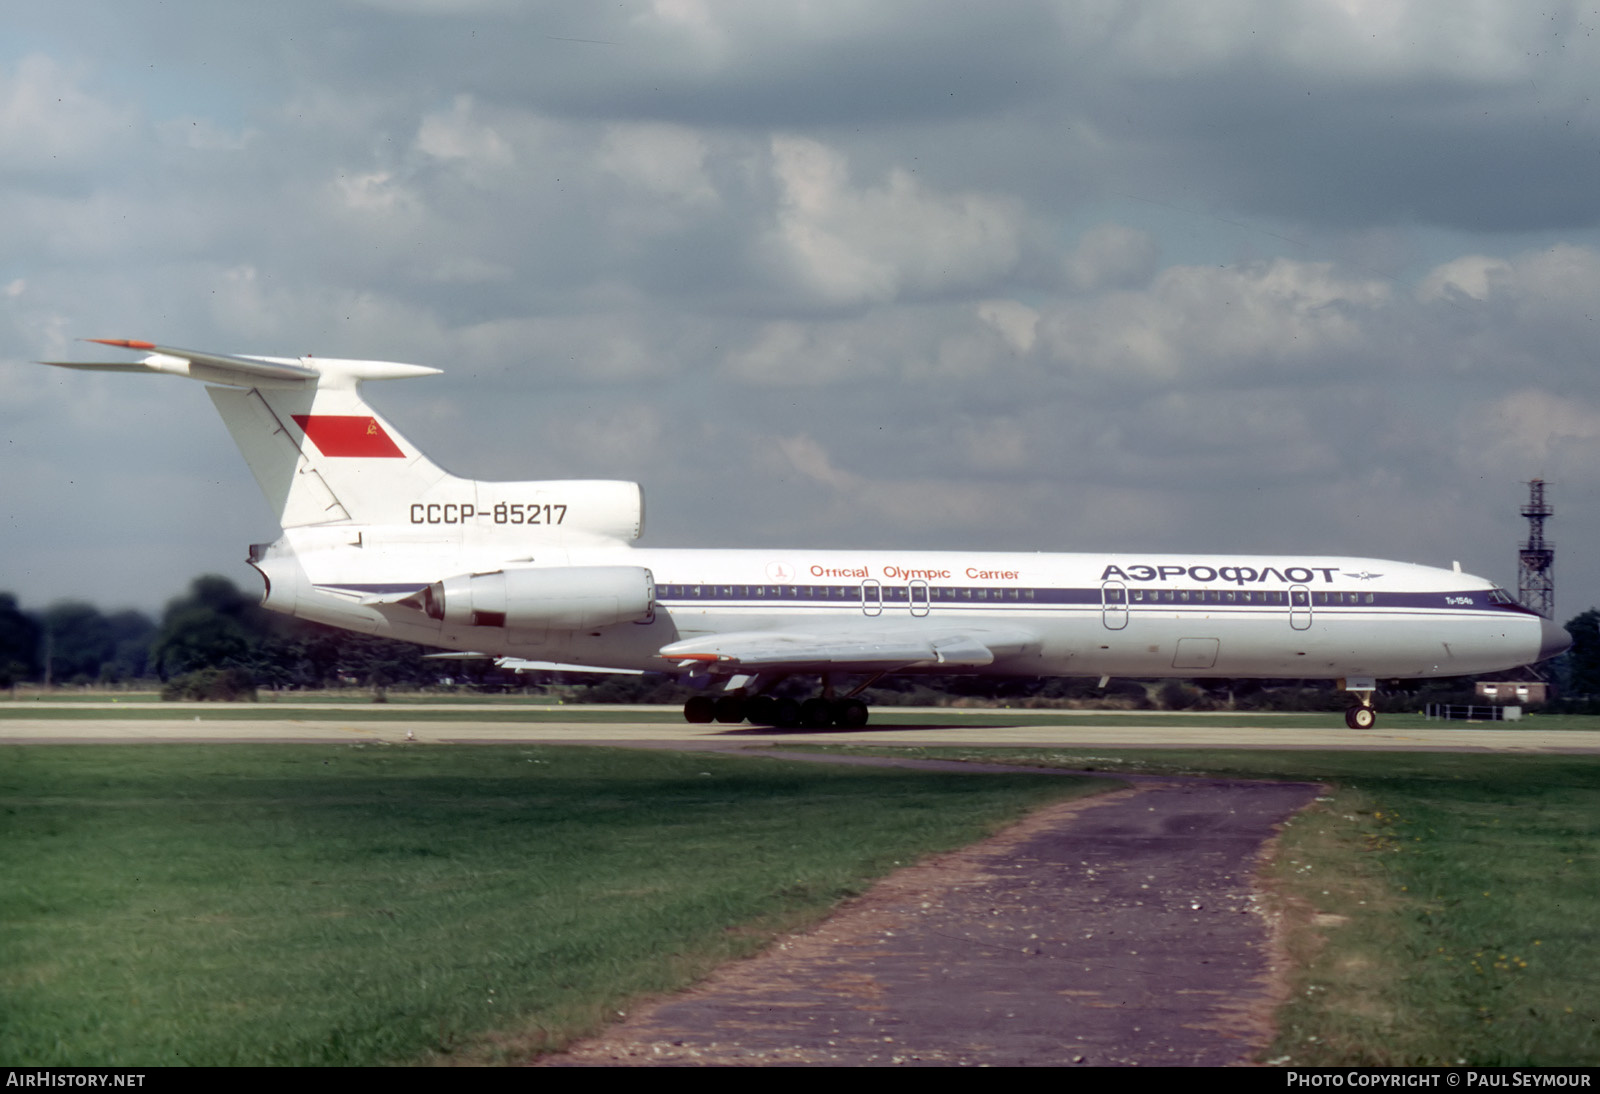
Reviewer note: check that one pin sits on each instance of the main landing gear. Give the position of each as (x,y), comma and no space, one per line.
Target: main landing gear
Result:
(764,710)
(750,703)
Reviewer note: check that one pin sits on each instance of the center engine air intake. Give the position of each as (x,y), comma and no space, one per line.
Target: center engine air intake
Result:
(563,598)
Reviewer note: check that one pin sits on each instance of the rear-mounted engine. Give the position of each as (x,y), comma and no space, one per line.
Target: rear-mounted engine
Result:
(563,598)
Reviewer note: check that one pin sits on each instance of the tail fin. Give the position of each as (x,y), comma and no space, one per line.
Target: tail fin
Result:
(323,456)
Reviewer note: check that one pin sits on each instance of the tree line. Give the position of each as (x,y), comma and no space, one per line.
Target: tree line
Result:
(211,627)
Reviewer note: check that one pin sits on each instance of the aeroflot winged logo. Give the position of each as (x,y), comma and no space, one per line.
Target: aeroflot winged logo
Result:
(1238,575)
(348,435)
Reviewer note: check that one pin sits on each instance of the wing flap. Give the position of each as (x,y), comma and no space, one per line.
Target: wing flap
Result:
(771,650)
(522,664)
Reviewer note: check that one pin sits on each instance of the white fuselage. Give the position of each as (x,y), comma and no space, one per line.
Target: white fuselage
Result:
(1043,614)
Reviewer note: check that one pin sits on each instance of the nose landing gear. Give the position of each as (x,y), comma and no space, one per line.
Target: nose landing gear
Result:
(1364,715)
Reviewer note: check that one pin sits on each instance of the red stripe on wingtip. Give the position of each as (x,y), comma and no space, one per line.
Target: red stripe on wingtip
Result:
(126,343)
(349,435)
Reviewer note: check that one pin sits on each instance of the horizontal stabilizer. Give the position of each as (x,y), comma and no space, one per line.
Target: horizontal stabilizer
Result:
(100,366)
(239,371)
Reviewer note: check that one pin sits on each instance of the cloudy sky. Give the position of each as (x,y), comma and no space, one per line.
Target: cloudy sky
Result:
(1249,275)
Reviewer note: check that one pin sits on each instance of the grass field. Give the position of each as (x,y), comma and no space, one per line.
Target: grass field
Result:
(1441,906)
(349,904)
(288,904)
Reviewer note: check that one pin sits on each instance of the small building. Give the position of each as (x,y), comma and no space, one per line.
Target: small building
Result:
(1524,692)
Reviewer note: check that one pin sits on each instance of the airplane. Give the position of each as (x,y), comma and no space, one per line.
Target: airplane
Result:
(378,539)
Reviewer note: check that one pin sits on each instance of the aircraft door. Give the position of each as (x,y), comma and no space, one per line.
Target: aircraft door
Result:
(1196,653)
(871,597)
(1114,605)
(920,597)
(1299,607)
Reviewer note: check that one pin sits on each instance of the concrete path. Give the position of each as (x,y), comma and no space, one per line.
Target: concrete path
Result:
(1119,931)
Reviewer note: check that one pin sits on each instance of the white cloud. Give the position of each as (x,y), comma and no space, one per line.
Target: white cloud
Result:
(923,347)
(1111,256)
(48,122)
(458,137)
(851,245)
(692,22)
(790,353)
(440,7)
(622,438)
(1562,277)
(1382,38)
(1373,39)
(204,135)
(377,192)
(600,348)
(1017,323)
(466,270)
(811,460)
(1203,321)
(265,312)
(1469,275)
(996,444)
(666,160)
(912,506)
(1532,432)
(1534,311)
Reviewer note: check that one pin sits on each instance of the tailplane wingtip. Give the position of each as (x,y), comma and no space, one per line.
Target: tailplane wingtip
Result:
(125,343)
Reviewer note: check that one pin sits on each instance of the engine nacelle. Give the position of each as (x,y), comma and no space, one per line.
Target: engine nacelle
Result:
(561,598)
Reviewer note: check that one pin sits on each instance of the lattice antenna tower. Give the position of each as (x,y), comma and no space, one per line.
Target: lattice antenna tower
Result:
(1536,583)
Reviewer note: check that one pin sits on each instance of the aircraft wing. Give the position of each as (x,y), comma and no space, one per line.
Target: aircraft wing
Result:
(846,651)
(520,664)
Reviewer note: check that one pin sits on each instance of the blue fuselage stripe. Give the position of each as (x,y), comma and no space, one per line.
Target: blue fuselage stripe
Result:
(1242,601)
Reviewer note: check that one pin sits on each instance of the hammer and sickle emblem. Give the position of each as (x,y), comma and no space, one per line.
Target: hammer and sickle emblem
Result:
(372,427)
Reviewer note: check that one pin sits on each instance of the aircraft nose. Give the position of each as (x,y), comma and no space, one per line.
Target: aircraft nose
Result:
(1553,640)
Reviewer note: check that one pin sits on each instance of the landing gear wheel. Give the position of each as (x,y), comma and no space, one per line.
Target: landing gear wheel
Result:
(850,713)
(787,714)
(761,710)
(1361,717)
(700,709)
(816,714)
(730,709)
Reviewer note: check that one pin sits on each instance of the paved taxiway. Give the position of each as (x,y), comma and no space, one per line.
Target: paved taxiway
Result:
(891,726)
